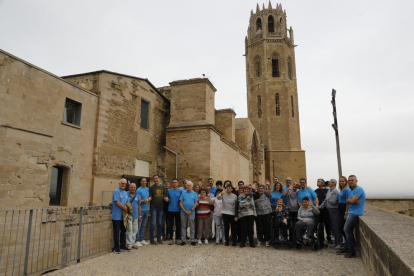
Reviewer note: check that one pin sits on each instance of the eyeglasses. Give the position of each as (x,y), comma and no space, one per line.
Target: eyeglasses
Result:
(288,180)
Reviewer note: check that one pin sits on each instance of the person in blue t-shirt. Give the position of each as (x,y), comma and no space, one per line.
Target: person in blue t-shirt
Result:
(276,193)
(355,208)
(119,199)
(135,200)
(188,204)
(275,180)
(211,184)
(343,195)
(173,214)
(286,187)
(143,192)
(308,192)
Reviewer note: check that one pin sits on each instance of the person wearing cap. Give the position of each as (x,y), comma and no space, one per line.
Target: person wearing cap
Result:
(228,211)
(306,217)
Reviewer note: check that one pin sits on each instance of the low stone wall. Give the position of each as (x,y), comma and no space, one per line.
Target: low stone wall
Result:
(404,205)
(386,241)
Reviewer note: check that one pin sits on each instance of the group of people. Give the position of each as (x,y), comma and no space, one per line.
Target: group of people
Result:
(235,211)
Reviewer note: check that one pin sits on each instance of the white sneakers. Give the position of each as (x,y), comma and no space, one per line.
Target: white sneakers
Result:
(143,242)
(136,245)
(200,242)
(259,243)
(267,244)
(206,241)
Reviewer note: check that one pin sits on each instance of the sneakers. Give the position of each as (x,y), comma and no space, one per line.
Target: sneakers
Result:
(267,244)
(193,243)
(117,251)
(171,242)
(199,242)
(333,246)
(182,243)
(259,243)
(135,246)
(159,241)
(177,242)
(252,245)
(138,244)
(129,247)
(350,255)
(144,242)
(217,243)
(206,241)
(242,244)
(153,242)
(283,239)
(124,248)
(338,247)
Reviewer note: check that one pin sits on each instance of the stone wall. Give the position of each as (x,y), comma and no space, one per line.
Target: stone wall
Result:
(33,137)
(225,122)
(402,205)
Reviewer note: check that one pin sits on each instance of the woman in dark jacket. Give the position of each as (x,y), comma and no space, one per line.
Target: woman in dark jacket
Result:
(264,213)
(246,212)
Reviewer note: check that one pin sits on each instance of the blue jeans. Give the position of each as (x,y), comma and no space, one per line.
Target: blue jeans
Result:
(156,217)
(351,221)
(141,226)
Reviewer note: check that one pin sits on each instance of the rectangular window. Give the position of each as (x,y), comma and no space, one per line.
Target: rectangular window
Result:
(72,112)
(144,114)
(55,186)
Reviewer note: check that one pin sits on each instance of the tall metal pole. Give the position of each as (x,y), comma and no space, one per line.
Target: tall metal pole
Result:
(335,127)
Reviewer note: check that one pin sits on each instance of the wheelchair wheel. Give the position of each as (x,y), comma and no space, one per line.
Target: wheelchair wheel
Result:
(314,247)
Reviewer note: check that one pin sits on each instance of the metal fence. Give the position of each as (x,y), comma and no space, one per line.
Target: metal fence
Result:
(35,240)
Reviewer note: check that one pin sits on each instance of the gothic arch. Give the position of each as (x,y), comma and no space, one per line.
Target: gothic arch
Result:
(275,65)
(257,66)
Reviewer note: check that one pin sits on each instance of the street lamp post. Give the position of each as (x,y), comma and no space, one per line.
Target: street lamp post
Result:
(335,127)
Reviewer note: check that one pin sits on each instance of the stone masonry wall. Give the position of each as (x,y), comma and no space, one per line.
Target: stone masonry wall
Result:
(225,122)
(33,137)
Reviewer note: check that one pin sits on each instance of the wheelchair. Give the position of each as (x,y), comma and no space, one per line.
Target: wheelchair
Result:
(317,242)
(275,237)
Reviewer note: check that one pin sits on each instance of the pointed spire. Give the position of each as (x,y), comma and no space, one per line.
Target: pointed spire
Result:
(284,12)
(270,6)
(280,6)
(257,8)
(251,12)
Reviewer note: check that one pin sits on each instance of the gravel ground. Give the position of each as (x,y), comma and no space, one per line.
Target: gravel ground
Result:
(214,259)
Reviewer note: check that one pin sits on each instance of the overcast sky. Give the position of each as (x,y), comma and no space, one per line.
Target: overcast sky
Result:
(363,49)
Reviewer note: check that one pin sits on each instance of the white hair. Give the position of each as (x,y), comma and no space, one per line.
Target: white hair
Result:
(334,181)
(189,182)
(122,179)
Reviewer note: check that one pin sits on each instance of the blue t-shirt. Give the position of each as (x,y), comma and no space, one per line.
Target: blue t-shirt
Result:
(135,203)
(122,197)
(357,209)
(343,195)
(189,199)
(174,200)
(310,193)
(144,193)
(213,191)
(274,196)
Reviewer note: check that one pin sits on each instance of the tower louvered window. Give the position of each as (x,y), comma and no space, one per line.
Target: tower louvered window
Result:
(259,105)
(257,67)
(290,68)
(275,66)
(293,110)
(277,105)
(271,24)
(258,24)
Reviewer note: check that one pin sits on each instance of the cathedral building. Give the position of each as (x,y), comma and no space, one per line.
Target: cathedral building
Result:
(66,141)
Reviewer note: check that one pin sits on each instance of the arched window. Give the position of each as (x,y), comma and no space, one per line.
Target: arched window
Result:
(271,24)
(258,24)
(275,66)
(290,68)
(277,105)
(257,66)
(259,106)
(293,110)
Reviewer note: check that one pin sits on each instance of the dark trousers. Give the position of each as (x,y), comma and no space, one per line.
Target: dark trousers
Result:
(326,220)
(119,226)
(171,217)
(246,225)
(342,209)
(229,223)
(278,225)
(263,227)
(238,230)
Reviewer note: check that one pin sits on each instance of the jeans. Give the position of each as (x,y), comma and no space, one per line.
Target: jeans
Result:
(350,223)
(141,226)
(263,227)
(156,217)
(334,215)
(171,216)
(187,220)
(119,226)
(229,223)
(132,232)
(342,209)
(246,228)
(203,227)
(219,228)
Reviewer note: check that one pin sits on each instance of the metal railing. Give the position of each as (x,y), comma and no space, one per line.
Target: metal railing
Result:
(35,240)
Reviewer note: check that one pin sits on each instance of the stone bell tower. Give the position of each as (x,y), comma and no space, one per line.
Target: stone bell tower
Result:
(272,97)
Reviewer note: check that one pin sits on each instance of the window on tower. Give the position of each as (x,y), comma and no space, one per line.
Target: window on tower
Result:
(257,66)
(290,68)
(259,105)
(258,24)
(277,105)
(275,66)
(293,110)
(271,24)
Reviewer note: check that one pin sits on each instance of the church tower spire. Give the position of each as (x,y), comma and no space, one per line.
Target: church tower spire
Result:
(272,97)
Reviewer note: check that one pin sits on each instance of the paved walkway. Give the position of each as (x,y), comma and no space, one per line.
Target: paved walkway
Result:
(214,259)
